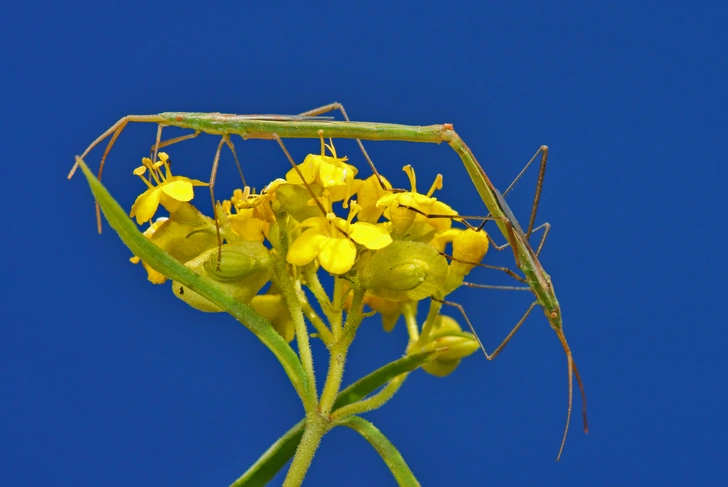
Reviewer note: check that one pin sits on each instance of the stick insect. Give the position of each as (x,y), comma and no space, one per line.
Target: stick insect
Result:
(277,127)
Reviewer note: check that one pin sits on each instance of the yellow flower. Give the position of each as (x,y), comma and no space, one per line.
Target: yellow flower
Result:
(331,240)
(153,276)
(369,192)
(169,190)
(403,218)
(467,246)
(244,222)
(330,172)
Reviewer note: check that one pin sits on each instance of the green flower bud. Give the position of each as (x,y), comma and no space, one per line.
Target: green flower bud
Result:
(446,332)
(294,198)
(404,271)
(441,368)
(186,233)
(459,345)
(252,262)
(232,266)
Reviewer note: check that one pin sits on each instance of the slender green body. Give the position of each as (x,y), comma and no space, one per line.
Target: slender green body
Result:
(297,128)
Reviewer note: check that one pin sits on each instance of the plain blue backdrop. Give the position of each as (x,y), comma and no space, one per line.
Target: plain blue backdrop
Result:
(108,380)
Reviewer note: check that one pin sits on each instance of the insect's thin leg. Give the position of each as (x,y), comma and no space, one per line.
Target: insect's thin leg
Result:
(338,106)
(539,186)
(490,286)
(213,177)
(298,171)
(114,129)
(464,220)
(118,126)
(544,150)
(547,228)
(229,143)
(168,142)
(157,140)
(525,168)
(505,341)
(115,136)
(460,218)
(486,266)
(510,234)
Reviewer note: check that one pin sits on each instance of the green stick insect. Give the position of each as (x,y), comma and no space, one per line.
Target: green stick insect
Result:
(309,125)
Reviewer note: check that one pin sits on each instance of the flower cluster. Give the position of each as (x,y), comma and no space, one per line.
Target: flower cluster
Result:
(389,247)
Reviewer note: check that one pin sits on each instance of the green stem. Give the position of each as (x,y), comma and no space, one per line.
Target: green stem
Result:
(435,307)
(376,401)
(317,322)
(315,429)
(338,351)
(314,284)
(337,304)
(409,310)
(289,293)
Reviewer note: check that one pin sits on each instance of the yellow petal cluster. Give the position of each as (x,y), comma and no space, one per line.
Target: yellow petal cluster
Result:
(162,188)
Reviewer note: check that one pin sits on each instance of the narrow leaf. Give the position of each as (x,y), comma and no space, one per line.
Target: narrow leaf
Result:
(161,261)
(274,458)
(391,456)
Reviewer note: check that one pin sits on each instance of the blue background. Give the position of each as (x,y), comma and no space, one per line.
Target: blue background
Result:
(106,379)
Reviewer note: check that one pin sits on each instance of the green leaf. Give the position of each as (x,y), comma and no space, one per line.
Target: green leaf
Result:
(274,458)
(280,452)
(161,261)
(391,456)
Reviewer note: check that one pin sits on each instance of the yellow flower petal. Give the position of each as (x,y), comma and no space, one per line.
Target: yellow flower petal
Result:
(180,189)
(337,255)
(320,223)
(247,226)
(146,205)
(306,247)
(370,236)
(308,169)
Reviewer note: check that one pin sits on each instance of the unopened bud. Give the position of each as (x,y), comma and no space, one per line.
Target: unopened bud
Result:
(404,271)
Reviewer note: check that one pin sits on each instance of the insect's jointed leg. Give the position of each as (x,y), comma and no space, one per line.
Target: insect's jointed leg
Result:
(298,171)
(338,106)
(505,341)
